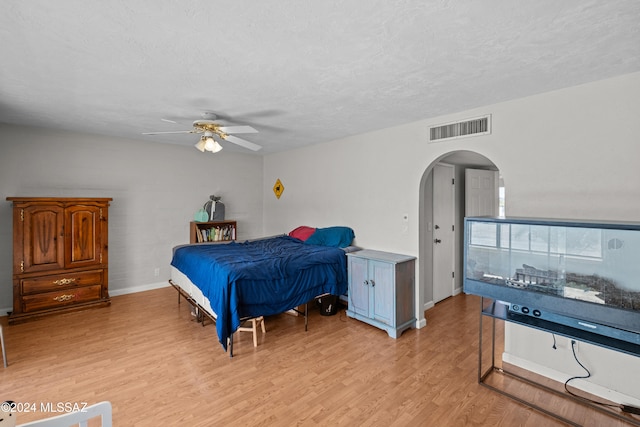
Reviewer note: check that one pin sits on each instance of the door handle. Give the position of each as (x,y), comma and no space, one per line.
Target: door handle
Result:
(437,241)
(437,227)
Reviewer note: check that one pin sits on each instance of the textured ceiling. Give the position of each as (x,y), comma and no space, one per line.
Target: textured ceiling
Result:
(301,72)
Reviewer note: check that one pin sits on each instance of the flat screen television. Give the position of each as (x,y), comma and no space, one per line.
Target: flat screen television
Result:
(584,275)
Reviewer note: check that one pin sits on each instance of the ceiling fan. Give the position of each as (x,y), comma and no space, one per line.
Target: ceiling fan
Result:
(209,127)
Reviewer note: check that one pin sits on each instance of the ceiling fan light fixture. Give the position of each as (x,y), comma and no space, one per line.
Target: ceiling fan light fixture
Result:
(207,143)
(200,144)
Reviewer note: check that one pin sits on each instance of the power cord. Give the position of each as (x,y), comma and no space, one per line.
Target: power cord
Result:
(624,408)
(582,377)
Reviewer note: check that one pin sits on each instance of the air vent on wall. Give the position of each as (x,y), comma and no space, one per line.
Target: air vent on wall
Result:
(471,127)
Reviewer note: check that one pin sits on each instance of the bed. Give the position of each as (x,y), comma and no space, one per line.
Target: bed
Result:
(242,280)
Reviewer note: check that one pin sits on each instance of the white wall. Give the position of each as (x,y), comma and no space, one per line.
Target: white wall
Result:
(571,153)
(156,189)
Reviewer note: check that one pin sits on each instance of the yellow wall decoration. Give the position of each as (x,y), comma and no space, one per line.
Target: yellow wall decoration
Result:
(278,188)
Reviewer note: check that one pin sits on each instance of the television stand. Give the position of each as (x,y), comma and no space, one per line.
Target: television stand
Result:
(526,387)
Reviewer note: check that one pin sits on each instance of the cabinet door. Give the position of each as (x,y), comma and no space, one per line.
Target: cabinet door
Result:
(381,279)
(42,234)
(83,234)
(359,288)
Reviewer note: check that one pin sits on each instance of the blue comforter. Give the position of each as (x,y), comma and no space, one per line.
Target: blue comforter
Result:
(260,278)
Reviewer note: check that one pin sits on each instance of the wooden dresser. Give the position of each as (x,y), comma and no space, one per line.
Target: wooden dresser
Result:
(60,255)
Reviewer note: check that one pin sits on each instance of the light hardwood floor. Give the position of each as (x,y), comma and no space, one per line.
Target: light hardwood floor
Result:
(158,367)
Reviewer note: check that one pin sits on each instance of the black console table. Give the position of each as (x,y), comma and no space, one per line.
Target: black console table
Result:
(496,311)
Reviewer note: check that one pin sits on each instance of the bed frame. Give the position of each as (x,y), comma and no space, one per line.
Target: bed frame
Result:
(201,313)
(204,309)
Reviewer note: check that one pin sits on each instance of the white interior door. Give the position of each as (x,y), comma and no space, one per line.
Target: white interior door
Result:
(443,231)
(481,192)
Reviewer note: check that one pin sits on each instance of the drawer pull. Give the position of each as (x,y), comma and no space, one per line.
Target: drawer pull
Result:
(62,298)
(61,282)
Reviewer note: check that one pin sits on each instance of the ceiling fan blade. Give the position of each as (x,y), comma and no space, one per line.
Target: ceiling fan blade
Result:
(238,129)
(241,142)
(162,133)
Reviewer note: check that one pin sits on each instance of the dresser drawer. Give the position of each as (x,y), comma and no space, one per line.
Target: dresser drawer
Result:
(61,281)
(60,298)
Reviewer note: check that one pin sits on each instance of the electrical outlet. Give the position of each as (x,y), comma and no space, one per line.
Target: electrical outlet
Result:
(575,346)
(156,272)
(404,229)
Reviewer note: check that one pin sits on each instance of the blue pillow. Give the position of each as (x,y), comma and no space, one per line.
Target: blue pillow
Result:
(337,237)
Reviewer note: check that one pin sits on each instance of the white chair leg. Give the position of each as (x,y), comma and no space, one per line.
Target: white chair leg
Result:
(254,326)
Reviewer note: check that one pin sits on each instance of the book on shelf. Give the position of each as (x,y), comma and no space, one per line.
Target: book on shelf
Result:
(218,233)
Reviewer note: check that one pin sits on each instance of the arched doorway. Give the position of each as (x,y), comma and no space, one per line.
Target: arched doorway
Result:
(458,164)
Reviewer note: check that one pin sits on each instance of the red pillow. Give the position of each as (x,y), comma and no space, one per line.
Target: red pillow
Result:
(303,232)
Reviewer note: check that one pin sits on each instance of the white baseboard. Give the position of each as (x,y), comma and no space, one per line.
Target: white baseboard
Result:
(587,386)
(141,288)
(421,323)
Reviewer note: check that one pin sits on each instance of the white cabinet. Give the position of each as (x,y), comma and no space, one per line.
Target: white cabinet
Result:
(382,290)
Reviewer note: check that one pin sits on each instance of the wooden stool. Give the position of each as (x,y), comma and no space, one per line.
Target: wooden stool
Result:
(254,328)
(4,353)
